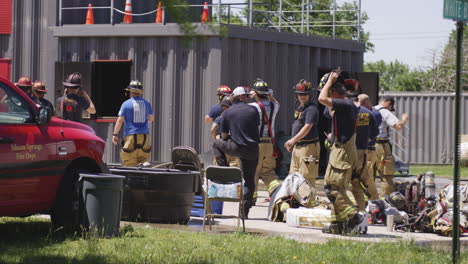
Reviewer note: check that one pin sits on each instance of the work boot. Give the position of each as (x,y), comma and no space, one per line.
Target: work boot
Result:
(335,228)
(352,226)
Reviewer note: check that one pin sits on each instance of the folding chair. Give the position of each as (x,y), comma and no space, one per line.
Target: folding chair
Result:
(216,176)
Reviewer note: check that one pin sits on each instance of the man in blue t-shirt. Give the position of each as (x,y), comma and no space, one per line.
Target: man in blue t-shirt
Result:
(134,114)
(345,217)
(240,138)
(216,110)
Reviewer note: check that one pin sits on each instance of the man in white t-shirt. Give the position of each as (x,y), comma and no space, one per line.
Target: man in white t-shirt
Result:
(386,167)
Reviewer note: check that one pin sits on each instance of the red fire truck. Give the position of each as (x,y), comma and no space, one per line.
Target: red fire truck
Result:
(40,159)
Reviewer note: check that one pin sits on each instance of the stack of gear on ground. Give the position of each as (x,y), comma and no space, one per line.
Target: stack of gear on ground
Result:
(416,209)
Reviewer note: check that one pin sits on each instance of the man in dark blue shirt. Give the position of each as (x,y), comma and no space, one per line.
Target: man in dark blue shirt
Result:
(217,109)
(240,138)
(365,129)
(75,100)
(372,159)
(345,217)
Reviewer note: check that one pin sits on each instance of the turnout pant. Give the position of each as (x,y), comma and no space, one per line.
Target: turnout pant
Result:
(266,166)
(133,153)
(305,160)
(386,166)
(248,156)
(362,182)
(341,164)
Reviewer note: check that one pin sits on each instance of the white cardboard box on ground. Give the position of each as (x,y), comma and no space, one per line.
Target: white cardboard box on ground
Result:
(308,217)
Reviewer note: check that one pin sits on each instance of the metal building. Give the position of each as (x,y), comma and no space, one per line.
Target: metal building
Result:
(179,77)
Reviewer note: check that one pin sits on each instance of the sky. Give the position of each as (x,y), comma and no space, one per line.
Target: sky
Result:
(406,30)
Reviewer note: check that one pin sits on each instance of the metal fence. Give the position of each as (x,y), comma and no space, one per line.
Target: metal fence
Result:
(431,126)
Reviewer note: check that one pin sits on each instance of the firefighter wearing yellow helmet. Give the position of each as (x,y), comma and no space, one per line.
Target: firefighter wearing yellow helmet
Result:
(304,143)
(267,108)
(134,115)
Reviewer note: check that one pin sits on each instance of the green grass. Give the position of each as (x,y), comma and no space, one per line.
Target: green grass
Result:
(445,171)
(30,240)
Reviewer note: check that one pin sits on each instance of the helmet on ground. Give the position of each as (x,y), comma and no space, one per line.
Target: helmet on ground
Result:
(39,87)
(227,101)
(261,87)
(24,81)
(303,87)
(73,80)
(135,86)
(223,90)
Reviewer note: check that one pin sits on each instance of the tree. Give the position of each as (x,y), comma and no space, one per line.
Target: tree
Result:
(395,76)
(440,74)
(320,23)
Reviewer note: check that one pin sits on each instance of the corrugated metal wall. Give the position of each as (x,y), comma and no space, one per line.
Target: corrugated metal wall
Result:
(181,80)
(431,125)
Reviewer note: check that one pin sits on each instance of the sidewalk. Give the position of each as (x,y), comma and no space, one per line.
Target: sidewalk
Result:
(259,223)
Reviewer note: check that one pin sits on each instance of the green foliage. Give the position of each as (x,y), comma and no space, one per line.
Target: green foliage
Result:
(320,22)
(445,171)
(395,76)
(28,240)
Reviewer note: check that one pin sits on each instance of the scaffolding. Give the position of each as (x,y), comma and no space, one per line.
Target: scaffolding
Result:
(278,15)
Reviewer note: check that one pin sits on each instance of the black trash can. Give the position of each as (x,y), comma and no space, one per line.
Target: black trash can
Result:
(158,195)
(102,199)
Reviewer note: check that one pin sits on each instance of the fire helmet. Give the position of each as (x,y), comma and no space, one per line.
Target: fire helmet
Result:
(303,87)
(223,90)
(73,80)
(24,81)
(135,86)
(261,87)
(39,87)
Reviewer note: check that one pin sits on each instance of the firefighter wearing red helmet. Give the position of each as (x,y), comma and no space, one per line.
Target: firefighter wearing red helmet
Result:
(216,109)
(134,116)
(40,89)
(75,99)
(25,84)
(304,143)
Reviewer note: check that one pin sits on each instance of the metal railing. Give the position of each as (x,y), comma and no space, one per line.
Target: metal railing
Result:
(400,147)
(287,16)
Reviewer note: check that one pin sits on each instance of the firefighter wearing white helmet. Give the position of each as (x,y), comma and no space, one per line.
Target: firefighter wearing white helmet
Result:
(267,108)
(134,115)
(304,143)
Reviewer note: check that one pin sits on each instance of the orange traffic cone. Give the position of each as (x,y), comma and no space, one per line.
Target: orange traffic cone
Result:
(90,15)
(128,18)
(159,14)
(205,16)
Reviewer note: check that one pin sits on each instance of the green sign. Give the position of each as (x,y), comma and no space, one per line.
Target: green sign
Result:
(456,9)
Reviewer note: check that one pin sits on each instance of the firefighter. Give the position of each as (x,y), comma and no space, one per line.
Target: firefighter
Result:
(216,109)
(41,90)
(386,167)
(267,108)
(25,84)
(372,161)
(240,138)
(74,100)
(365,128)
(216,132)
(345,217)
(304,143)
(134,115)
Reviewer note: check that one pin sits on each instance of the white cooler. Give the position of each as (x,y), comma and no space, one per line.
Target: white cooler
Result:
(308,217)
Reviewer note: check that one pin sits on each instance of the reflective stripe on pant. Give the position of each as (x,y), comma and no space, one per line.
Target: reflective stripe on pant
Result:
(266,168)
(137,156)
(307,169)
(386,167)
(341,164)
(362,182)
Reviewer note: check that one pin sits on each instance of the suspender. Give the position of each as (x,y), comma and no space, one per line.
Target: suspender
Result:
(265,118)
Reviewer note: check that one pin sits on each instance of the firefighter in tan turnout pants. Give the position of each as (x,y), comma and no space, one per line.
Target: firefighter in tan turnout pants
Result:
(304,143)
(267,108)
(386,167)
(134,115)
(345,217)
